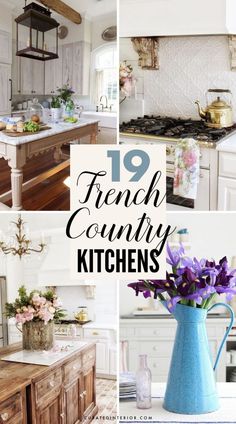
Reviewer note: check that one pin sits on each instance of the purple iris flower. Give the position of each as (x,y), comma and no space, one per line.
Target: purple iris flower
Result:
(174,256)
(170,304)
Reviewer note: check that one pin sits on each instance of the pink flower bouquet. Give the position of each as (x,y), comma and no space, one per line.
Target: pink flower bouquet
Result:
(35,306)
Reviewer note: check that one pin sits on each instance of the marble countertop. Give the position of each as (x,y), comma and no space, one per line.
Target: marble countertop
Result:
(227,145)
(57,128)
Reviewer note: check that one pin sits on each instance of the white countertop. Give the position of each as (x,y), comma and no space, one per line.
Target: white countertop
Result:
(55,129)
(62,349)
(227,145)
(226,414)
(100,326)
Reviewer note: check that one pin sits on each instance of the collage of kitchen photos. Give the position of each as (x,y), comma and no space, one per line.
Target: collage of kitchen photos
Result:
(132,74)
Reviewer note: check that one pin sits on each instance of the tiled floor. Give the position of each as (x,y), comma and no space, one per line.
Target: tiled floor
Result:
(106,401)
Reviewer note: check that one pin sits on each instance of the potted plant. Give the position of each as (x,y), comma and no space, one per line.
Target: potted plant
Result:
(65,94)
(35,313)
(56,110)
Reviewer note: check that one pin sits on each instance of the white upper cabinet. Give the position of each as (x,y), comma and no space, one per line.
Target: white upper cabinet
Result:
(5,84)
(31,76)
(75,66)
(5,47)
(53,74)
(177,17)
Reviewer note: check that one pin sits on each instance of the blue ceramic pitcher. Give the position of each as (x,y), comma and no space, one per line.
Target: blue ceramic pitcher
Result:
(191,386)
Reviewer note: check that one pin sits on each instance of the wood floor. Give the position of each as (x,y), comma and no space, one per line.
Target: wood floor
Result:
(52,194)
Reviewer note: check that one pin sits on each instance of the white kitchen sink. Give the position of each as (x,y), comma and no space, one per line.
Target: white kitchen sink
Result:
(106,119)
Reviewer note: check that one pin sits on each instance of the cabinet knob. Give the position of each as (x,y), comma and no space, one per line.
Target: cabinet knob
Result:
(52,384)
(95,333)
(81,395)
(62,415)
(4,416)
(84,393)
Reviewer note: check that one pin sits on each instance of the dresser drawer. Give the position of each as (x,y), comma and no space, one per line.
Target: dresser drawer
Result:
(156,332)
(227,165)
(158,349)
(91,333)
(48,388)
(89,356)
(11,410)
(159,366)
(72,369)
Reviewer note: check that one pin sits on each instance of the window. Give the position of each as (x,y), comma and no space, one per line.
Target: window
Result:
(104,74)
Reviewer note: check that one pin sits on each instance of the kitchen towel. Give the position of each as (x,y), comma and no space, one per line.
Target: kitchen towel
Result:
(186,176)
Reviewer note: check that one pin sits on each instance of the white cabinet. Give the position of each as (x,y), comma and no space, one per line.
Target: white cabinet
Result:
(5,84)
(67,64)
(16,71)
(105,350)
(226,194)
(112,360)
(31,76)
(5,47)
(107,135)
(75,66)
(227,182)
(53,74)
(156,339)
(102,355)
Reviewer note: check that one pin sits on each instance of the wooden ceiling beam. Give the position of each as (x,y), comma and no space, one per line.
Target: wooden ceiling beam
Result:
(64,10)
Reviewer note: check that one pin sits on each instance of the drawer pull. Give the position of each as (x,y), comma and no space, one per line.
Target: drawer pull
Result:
(52,383)
(5,416)
(154,366)
(84,393)
(154,348)
(62,415)
(81,395)
(95,333)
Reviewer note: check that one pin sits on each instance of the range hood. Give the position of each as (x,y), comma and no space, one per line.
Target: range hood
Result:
(146,18)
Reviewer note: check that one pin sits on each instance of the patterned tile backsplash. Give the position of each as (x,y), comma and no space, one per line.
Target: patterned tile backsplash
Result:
(188,67)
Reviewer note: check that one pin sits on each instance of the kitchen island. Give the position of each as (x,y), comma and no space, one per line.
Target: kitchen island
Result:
(60,393)
(18,150)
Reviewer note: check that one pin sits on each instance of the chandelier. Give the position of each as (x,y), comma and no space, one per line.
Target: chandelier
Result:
(20,244)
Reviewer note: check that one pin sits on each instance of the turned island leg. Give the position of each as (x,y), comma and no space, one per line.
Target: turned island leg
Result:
(57,154)
(16,186)
(16,161)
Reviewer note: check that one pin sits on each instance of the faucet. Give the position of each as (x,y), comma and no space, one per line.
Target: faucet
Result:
(102,104)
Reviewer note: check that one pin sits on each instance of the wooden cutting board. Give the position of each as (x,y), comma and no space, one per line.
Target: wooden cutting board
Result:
(20,134)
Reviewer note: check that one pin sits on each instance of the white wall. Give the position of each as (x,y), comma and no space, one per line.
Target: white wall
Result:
(98,26)
(212,235)
(188,67)
(6,19)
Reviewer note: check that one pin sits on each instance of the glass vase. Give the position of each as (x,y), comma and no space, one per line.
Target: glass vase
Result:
(143,384)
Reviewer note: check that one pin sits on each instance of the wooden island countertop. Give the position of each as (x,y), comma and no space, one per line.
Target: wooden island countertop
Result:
(43,393)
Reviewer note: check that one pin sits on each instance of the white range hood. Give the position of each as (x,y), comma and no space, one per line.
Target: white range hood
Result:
(146,18)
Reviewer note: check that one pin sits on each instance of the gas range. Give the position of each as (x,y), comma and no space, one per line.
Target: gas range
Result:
(171,129)
(63,328)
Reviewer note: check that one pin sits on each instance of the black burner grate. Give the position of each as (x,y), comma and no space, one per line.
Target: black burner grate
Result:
(175,128)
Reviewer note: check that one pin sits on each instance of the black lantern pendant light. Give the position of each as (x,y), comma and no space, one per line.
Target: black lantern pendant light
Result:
(38,21)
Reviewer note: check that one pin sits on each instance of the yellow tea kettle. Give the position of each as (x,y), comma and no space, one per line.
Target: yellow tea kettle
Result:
(217,114)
